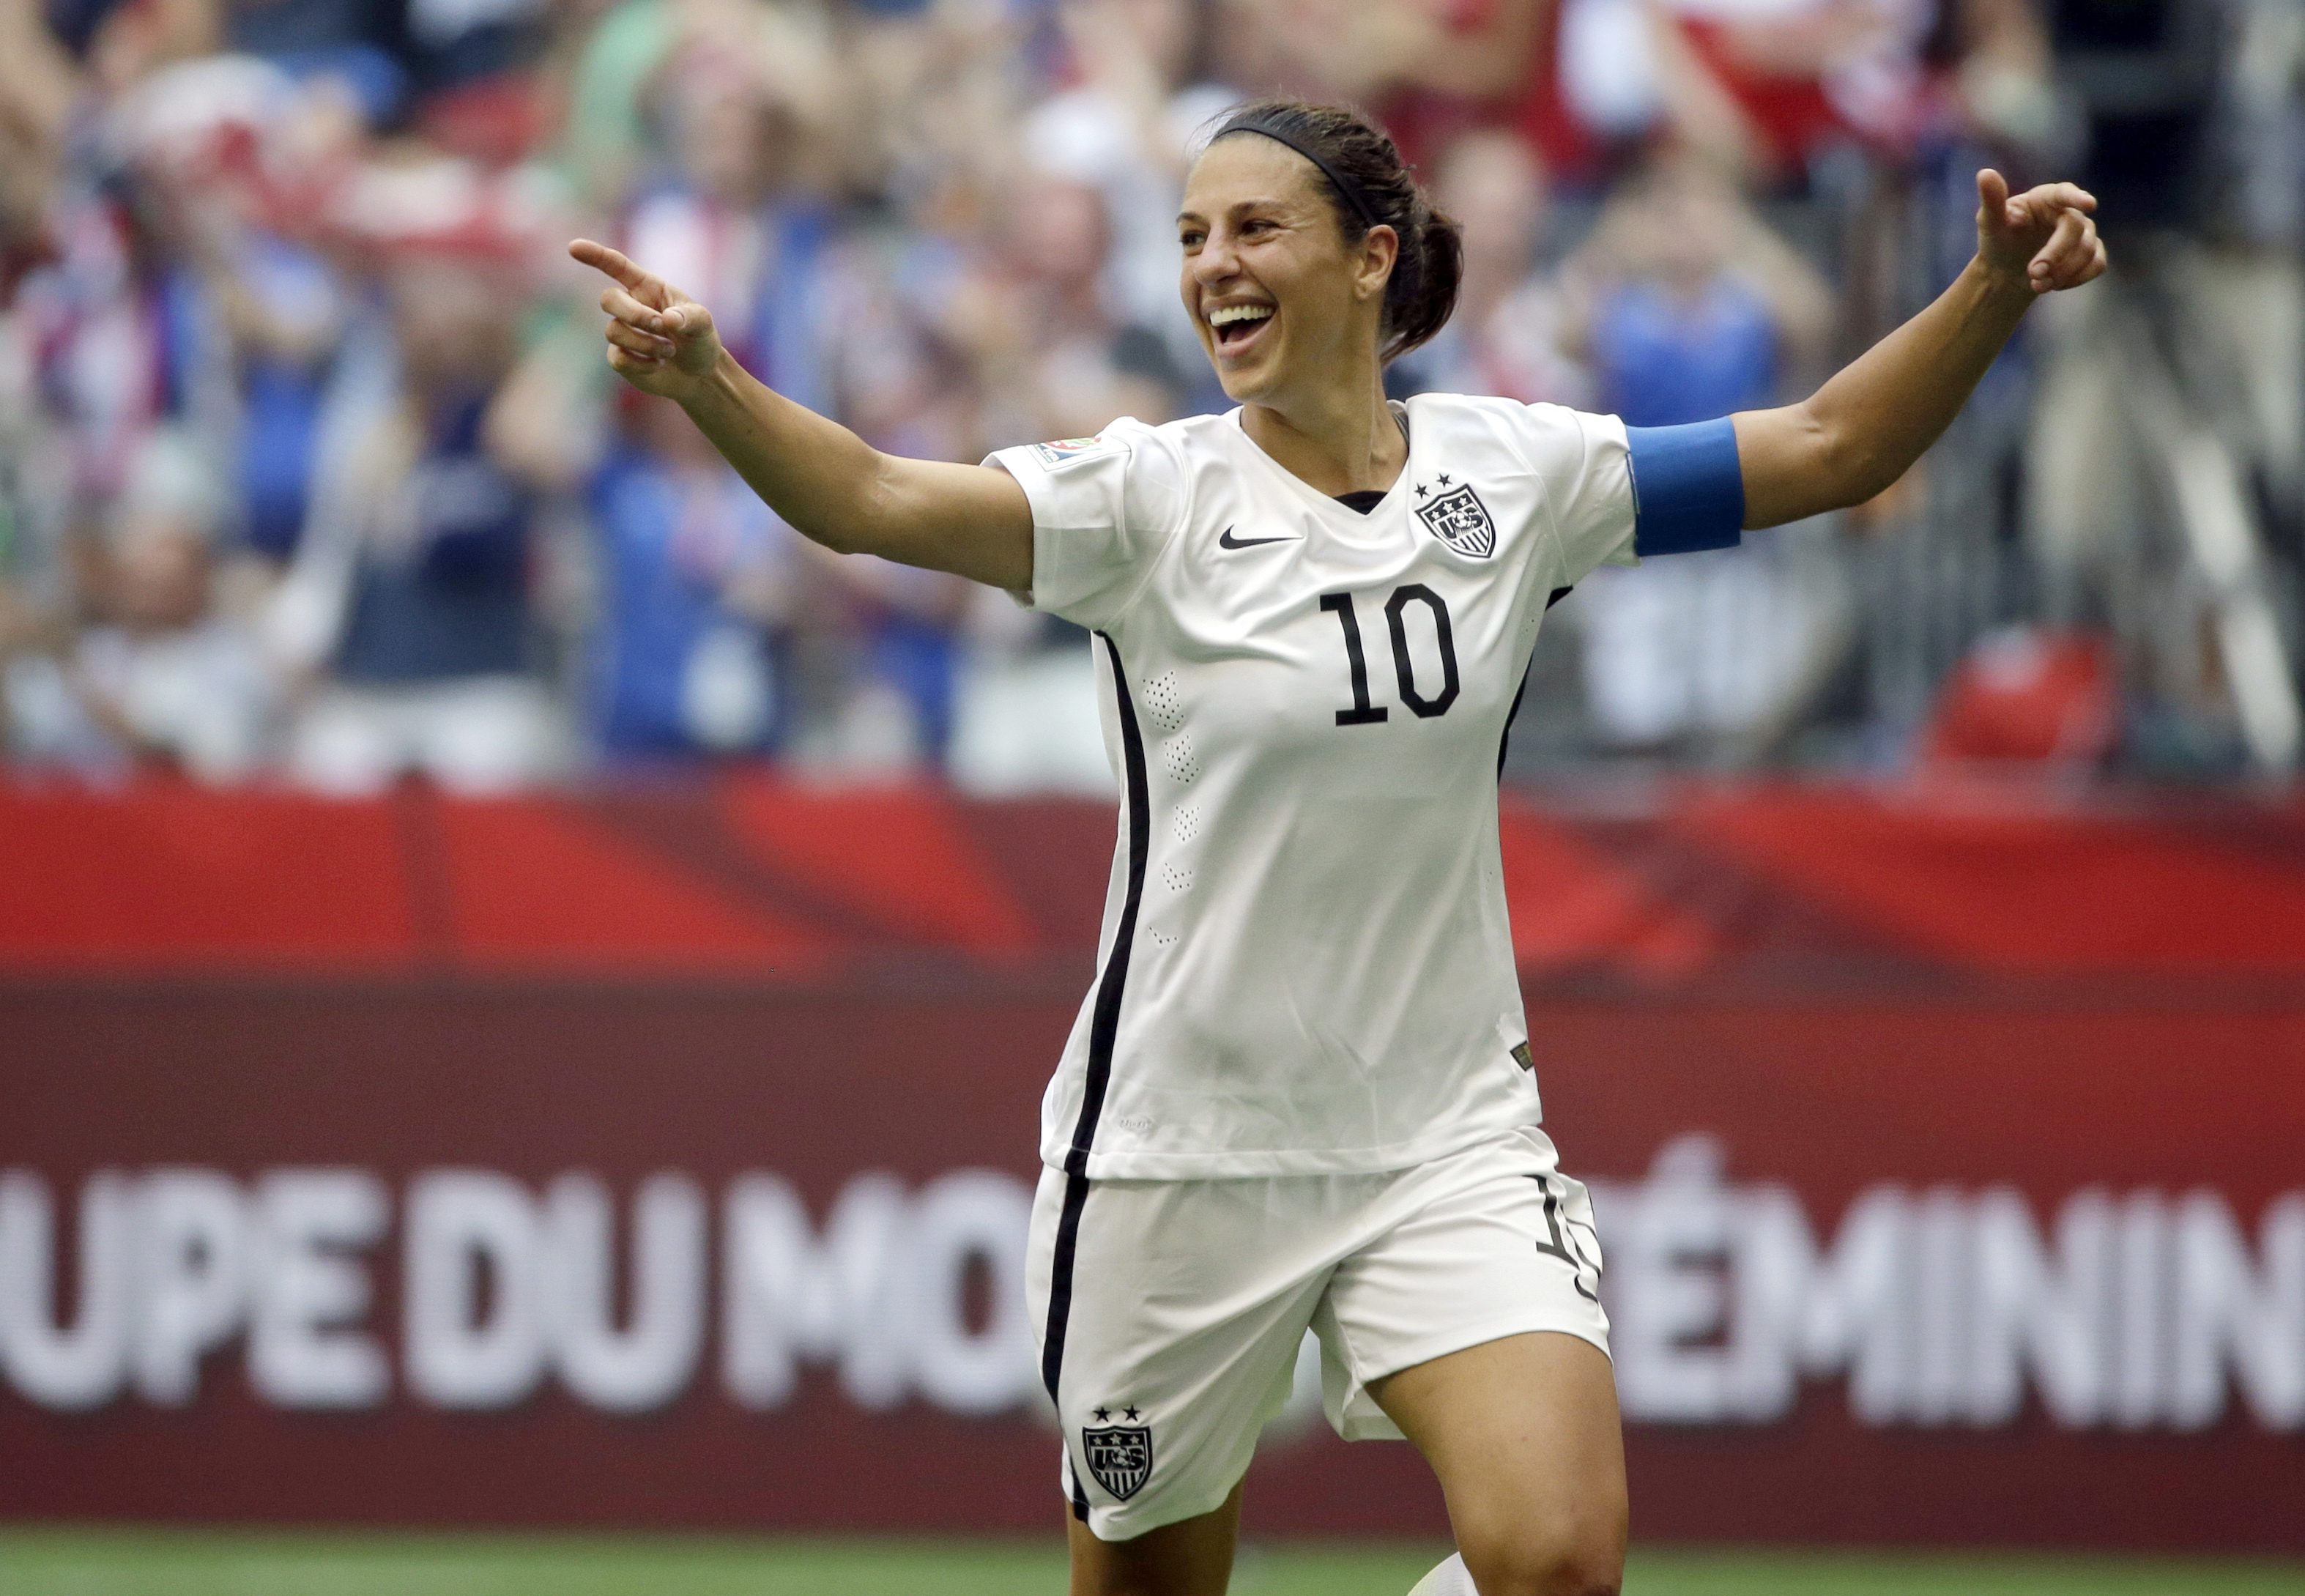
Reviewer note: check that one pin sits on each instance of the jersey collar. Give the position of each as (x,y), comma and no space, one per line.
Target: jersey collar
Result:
(1343,516)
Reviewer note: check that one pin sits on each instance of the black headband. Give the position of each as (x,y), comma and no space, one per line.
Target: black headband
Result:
(1350,191)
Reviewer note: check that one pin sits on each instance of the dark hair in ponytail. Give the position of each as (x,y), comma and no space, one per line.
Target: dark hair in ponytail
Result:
(1370,185)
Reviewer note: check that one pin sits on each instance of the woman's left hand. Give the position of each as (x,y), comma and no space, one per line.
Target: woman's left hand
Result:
(2043,238)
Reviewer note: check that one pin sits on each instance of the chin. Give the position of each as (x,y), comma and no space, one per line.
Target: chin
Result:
(1245,386)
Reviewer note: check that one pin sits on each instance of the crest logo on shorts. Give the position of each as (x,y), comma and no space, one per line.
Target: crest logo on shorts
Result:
(1459,519)
(1120,1456)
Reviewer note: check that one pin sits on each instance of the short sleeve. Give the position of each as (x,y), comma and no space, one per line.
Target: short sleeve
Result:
(1588,487)
(1103,508)
(1619,494)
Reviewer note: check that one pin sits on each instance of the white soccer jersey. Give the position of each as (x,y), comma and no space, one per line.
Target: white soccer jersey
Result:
(1306,964)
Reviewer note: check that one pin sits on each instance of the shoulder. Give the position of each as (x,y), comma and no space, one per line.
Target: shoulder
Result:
(1159,462)
(1125,439)
(1546,438)
(1192,440)
(1126,454)
(1129,474)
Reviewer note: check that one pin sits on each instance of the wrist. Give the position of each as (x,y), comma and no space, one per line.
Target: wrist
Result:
(2008,286)
(715,387)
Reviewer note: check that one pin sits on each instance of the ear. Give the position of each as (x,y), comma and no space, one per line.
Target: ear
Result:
(1380,247)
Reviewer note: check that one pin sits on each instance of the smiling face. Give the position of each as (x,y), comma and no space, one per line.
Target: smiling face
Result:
(1282,302)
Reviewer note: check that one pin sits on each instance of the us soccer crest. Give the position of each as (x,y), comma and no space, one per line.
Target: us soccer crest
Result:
(1120,1456)
(1459,519)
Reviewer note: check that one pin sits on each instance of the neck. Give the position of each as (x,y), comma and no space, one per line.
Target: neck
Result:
(1338,439)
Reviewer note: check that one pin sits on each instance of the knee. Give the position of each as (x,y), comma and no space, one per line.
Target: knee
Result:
(1570,1562)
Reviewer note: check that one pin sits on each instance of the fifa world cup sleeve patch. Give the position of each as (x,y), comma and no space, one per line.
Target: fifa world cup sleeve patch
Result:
(1066,451)
(1688,490)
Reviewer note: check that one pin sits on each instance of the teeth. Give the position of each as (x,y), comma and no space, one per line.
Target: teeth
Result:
(1229,314)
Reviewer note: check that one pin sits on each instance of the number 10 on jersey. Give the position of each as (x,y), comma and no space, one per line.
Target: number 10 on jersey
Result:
(1364,712)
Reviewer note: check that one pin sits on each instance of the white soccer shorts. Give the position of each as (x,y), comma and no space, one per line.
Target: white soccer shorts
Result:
(1169,1312)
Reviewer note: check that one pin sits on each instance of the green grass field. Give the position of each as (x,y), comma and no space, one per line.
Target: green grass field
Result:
(167,1563)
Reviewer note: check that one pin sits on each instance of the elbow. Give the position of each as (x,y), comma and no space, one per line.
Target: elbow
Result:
(1806,461)
(1868,477)
(1852,466)
(857,525)
(835,536)
(835,533)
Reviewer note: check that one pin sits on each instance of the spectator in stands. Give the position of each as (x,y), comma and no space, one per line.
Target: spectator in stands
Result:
(419,561)
(1764,86)
(359,43)
(1506,336)
(1124,127)
(688,653)
(1034,316)
(164,672)
(223,147)
(191,249)
(459,44)
(117,321)
(1028,322)
(1688,306)
(38,82)
(733,203)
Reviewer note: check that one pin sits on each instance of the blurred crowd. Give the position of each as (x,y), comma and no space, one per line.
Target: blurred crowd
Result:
(313,473)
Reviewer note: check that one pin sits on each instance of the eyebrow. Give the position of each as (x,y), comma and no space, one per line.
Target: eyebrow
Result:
(1265,202)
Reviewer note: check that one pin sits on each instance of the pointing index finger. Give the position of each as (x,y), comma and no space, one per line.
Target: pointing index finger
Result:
(601,258)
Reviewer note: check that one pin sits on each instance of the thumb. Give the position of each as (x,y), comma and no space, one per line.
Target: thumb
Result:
(1993,197)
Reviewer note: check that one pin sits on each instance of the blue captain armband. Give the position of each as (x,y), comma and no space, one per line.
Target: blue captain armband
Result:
(1688,492)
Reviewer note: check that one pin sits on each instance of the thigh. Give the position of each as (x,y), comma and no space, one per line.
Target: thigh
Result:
(1488,1242)
(1168,1314)
(1525,1437)
(1193,1558)
(1472,1326)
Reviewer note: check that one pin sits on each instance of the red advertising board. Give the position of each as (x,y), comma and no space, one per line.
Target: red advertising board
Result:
(518,1164)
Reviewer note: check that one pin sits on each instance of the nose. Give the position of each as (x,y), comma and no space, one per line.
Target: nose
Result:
(1215,261)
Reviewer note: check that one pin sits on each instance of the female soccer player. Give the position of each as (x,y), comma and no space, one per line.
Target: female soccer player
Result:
(1300,1091)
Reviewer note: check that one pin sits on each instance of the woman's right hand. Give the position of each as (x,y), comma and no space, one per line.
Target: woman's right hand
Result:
(659,340)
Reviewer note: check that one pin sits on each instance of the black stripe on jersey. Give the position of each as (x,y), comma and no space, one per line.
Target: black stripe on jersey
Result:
(1504,739)
(1104,1026)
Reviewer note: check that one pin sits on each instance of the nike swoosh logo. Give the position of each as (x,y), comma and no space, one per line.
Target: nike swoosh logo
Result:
(1229,541)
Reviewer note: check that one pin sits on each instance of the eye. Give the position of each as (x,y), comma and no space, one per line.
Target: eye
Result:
(1190,238)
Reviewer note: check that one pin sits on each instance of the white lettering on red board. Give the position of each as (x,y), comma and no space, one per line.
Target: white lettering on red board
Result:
(1938,1305)
(1943,1305)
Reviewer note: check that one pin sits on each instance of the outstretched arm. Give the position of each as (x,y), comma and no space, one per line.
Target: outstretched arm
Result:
(1863,429)
(828,483)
